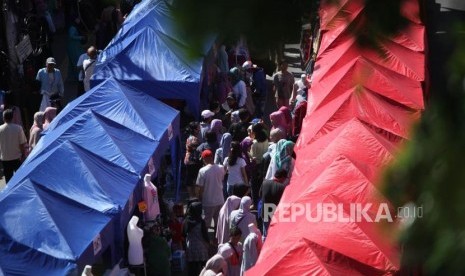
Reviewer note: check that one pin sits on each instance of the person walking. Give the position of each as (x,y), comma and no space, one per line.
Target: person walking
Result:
(231,251)
(210,188)
(283,84)
(36,129)
(235,167)
(80,69)
(51,83)
(88,66)
(13,144)
(242,217)
(74,47)
(222,230)
(197,241)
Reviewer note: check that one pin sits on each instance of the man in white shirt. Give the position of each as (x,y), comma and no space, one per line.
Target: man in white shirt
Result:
(12,145)
(51,83)
(210,188)
(88,66)
(80,69)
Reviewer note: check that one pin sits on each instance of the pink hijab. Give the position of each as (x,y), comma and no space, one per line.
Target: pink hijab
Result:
(222,229)
(287,114)
(278,120)
(49,114)
(36,129)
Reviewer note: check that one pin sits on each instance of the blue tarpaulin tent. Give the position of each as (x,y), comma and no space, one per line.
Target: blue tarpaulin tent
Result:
(149,53)
(128,107)
(51,217)
(72,198)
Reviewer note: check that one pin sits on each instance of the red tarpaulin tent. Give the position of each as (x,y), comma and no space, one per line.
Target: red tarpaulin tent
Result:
(362,108)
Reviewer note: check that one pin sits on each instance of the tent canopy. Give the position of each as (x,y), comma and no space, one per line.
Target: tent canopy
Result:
(51,216)
(363,103)
(127,114)
(79,183)
(149,53)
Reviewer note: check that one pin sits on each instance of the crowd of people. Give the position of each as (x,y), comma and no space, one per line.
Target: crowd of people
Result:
(235,164)
(14,144)
(14,147)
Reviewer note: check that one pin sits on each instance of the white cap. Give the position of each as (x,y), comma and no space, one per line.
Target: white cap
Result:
(50,60)
(207,114)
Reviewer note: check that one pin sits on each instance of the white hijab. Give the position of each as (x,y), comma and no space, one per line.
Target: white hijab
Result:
(243,217)
(222,229)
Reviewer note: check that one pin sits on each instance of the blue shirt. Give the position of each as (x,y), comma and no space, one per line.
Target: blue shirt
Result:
(50,85)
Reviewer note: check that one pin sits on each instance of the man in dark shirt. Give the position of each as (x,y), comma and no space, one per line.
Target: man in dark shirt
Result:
(271,193)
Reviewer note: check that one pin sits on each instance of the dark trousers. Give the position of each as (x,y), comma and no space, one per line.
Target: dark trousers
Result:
(80,89)
(256,183)
(9,168)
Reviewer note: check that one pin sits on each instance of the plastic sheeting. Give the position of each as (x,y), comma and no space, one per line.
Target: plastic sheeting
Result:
(149,53)
(364,103)
(71,199)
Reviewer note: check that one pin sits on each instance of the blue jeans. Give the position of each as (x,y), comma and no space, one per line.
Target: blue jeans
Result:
(266,224)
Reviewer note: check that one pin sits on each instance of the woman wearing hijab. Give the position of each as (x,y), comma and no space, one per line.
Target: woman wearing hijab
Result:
(282,159)
(235,117)
(278,120)
(287,116)
(49,114)
(223,151)
(195,231)
(36,129)
(217,127)
(246,145)
(215,265)
(275,135)
(243,217)
(220,155)
(222,229)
